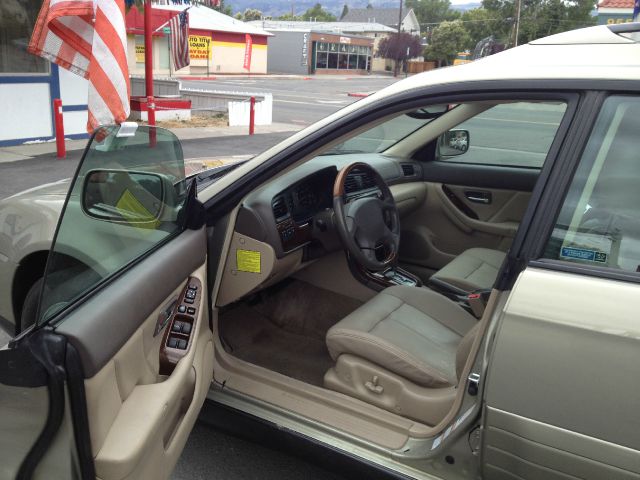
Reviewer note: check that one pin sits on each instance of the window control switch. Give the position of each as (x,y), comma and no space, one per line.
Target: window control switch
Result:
(176,327)
(186,328)
(173,342)
(182,344)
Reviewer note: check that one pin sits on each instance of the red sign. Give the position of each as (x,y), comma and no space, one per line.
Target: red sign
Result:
(248,44)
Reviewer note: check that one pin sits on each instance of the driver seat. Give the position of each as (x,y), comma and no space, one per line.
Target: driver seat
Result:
(403,350)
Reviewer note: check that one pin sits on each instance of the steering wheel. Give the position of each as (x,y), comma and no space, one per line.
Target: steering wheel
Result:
(369,226)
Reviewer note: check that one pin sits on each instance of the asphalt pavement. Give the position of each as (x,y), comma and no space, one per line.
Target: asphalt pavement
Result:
(301,100)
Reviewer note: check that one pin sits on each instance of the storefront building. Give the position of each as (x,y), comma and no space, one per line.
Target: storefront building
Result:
(611,12)
(305,48)
(218,44)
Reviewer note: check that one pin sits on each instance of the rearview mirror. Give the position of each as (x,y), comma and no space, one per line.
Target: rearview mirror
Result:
(453,143)
(121,196)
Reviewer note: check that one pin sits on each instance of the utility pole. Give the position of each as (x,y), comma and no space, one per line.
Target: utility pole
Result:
(517,26)
(395,66)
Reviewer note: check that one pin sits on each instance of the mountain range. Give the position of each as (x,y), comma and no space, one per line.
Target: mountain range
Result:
(277,8)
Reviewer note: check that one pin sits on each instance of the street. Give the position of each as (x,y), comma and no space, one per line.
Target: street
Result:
(297,101)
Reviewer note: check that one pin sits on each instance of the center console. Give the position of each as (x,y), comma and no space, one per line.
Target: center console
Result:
(385,278)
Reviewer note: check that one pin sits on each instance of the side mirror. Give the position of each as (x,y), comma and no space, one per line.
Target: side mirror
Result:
(453,143)
(121,196)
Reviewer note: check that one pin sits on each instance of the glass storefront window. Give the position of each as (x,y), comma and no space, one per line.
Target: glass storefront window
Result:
(333,60)
(17,20)
(342,56)
(321,60)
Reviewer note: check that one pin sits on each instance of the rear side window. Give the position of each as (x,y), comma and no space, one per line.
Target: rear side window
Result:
(127,198)
(599,223)
(517,134)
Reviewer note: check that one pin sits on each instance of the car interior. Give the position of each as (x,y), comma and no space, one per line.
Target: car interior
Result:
(355,282)
(350,290)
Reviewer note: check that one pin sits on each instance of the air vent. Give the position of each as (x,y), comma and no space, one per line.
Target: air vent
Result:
(358,180)
(408,170)
(279,207)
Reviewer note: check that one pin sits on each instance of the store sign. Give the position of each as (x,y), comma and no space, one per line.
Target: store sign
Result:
(345,40)
(248,46)
(140,53)
(305,50)
(199,47)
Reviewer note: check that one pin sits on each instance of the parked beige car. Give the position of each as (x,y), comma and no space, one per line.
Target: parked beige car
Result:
(366,286)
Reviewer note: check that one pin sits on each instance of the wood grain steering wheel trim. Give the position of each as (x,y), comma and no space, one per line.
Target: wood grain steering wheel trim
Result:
(338,186)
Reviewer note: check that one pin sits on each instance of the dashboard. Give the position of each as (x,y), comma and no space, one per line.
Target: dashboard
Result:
(295,211)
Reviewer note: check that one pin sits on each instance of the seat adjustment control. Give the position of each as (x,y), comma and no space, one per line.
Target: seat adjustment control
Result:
(372,386)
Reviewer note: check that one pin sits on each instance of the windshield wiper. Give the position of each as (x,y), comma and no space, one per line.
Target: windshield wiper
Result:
(208,177)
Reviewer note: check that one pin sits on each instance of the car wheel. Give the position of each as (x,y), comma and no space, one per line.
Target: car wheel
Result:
(30,306)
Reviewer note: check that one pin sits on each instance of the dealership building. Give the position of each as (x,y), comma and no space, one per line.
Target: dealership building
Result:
(306,48)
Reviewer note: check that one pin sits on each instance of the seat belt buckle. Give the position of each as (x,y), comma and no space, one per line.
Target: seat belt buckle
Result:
(476,303)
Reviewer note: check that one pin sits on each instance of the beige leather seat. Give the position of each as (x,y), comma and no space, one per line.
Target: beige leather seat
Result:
(474,269)
(403,350)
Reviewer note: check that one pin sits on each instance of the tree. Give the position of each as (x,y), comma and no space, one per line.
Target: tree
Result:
(251,14)
(318,14)
(539,18)
(399,48)
(288,16)
(345,10)
(481,23)
(432,11)
(447,40)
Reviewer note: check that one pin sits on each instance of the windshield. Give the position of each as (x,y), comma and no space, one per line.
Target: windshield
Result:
(383,136)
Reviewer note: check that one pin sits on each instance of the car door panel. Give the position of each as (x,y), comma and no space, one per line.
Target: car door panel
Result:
(139,420)
(452,218)
(562,382)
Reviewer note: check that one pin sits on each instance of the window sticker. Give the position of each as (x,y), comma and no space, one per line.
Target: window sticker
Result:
(248,261)
(587,247)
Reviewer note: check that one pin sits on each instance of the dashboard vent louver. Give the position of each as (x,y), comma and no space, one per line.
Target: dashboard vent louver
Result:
(358,180)
(279,207)
(408,170)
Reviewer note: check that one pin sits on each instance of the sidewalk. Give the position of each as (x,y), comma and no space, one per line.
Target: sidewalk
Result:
(31,150)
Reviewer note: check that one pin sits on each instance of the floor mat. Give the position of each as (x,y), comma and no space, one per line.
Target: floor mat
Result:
(285,331)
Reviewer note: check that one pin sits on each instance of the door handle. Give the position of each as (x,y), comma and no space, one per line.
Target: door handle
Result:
(478,197)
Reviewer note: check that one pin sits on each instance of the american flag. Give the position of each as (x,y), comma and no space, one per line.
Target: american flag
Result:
(179,25)
(88,38)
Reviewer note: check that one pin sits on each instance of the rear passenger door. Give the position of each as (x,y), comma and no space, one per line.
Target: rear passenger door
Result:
(562,390)
(476,197)
(111,378)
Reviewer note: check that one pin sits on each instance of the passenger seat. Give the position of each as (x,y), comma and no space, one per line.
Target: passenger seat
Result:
(474,269)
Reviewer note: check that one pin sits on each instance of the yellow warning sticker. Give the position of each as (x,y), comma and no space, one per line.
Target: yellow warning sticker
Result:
(248,261)
(135,212)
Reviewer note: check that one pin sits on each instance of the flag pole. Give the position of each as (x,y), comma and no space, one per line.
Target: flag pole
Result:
(148,61)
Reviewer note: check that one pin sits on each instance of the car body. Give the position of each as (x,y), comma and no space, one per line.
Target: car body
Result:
(480,325)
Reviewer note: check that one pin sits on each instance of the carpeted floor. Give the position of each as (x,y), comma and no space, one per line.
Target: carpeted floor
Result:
(284,329)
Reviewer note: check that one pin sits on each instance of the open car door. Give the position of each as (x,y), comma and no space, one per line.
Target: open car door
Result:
(110,380)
